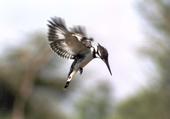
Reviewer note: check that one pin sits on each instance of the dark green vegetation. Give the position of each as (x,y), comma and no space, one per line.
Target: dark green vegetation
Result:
(153,102)
(32,87)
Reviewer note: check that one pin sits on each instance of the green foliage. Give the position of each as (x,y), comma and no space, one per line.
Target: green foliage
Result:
(156,13)
(31,86)
(96,103)
(153,103)
(25,75)
(147,105)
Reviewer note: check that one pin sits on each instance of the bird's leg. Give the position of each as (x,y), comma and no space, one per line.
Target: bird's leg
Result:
(78,57)
(81,70)
(70,77)
(72,72)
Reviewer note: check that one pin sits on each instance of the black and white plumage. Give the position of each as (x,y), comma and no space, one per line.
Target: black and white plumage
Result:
(74,44)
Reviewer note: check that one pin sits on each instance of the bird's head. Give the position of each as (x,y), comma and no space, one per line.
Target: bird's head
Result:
(103,54)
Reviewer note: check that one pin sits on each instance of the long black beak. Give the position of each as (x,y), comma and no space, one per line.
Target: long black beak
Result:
(107,64)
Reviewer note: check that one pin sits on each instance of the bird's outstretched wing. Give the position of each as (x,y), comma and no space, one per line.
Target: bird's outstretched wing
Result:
(65,43)
(79,30)
(57,33)
(57,29)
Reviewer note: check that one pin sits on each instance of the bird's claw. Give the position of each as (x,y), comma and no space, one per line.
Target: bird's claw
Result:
(81,70)
(67,84)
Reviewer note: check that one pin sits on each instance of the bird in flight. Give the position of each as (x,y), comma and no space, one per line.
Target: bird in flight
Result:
(74,43)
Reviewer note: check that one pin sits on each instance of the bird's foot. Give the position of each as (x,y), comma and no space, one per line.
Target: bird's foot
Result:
(67,84)
(81,70)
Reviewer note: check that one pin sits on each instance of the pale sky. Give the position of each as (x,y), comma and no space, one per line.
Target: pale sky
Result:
(113,23)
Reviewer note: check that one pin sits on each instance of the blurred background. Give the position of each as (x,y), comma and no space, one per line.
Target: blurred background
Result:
(136,34)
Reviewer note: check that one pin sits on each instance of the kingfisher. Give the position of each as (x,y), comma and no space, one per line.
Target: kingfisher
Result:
(74,43)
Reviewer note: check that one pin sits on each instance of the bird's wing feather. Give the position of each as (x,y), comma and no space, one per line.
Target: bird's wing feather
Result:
(80,33)
(66,43)
(57,29)
(60,47)
(79,30)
